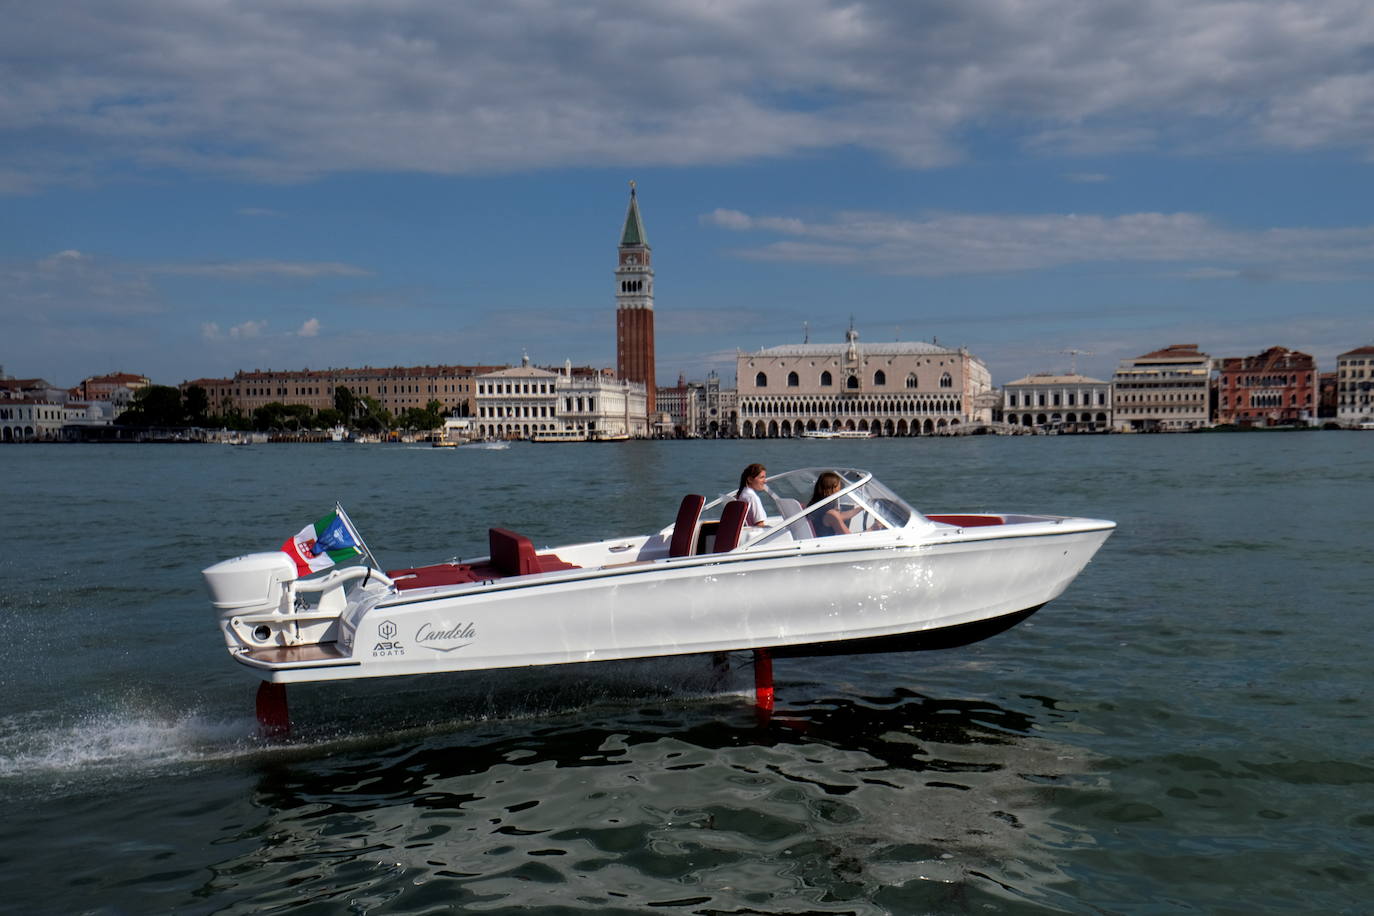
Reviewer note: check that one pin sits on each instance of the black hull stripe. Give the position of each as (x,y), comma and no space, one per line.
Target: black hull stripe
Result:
(942,638)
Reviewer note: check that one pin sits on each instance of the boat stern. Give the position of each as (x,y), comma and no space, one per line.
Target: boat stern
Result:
(248,592)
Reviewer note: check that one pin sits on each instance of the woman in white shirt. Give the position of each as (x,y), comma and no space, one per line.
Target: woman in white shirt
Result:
(753,481)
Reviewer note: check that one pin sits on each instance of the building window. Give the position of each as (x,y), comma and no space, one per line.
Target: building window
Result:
(793,380)
(946,381)
(911,380)
(761,381)
(880,378)
(826,380)
(852,383)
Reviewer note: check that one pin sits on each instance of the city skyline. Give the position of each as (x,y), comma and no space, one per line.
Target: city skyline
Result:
(192,192)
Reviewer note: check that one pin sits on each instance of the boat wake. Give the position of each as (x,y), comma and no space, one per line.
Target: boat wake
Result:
(131,736)
(117,741)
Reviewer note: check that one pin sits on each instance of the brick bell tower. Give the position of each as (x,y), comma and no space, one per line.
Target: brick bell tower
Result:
(634,305)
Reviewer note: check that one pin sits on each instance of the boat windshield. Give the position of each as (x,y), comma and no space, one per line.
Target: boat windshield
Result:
(863,504)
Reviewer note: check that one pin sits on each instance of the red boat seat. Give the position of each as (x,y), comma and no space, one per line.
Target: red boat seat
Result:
(685,529)
(731,526)
(511,555)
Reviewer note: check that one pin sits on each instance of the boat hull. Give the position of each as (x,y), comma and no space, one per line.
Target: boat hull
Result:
(827,596)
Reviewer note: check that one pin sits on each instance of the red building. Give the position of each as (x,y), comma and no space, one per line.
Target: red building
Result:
(634,300)
(117,386)
(1279,387)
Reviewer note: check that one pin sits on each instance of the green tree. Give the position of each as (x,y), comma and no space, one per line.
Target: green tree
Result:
(270,416)
(346,402)
(155,405)
(372,416)
(299,416)
(416,418)
(196,402)
(329,417)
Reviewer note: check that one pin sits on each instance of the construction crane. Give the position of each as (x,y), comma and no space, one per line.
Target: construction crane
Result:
(1075,354)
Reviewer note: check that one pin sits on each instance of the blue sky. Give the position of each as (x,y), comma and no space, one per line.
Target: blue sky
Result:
(190,189)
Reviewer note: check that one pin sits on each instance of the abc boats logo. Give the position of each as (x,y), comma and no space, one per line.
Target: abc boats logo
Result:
(386,633)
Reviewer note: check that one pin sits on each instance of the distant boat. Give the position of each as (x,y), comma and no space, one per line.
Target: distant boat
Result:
(836,434)
(559,435)
(578,435)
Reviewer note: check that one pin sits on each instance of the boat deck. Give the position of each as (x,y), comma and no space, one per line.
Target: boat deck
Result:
(286,655)
(511,555)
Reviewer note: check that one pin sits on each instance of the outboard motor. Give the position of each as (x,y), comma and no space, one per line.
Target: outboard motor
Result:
(254,585)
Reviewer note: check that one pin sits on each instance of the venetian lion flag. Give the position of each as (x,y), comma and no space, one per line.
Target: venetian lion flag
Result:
(319,546)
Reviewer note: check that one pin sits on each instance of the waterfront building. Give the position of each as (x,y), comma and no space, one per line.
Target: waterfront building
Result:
(601,406)
(1355,387)
(1278,387)
(1164,391)
(31,389)
(31,410)
(673,401)
(1072,403)
(516,403)
(31,421)
(117,387)
(701,409)
(634,306)
(396,389)
(90,413)
(888,389)
(527,402)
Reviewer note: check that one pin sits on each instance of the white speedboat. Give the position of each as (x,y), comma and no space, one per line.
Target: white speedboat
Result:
(704,584)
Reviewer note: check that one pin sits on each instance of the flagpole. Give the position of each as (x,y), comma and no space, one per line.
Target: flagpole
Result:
(353,529)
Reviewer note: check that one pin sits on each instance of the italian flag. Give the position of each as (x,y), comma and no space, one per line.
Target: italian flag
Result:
(319,546)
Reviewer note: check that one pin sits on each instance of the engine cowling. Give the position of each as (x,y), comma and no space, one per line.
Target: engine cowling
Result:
(251,584)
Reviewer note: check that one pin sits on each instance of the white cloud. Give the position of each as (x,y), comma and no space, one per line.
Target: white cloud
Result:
(247,269)
(248,330)
(727,219)
(1212,273)
(944,244)
(70,283)
(62,259)
(291,92)
(311,328)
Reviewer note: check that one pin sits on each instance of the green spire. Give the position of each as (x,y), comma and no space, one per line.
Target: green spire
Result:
(634,226)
